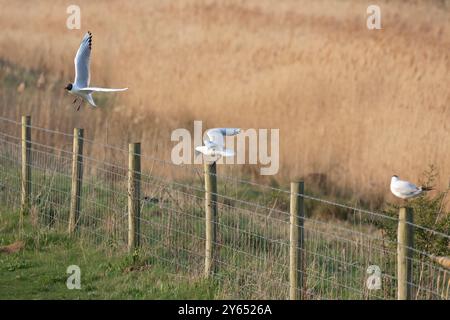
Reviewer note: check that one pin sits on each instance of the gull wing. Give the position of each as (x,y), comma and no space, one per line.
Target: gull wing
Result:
(95,89)
(82,62)
(404,187)
(226,153)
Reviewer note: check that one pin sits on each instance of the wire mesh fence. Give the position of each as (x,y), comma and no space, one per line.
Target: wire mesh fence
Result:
(340,259)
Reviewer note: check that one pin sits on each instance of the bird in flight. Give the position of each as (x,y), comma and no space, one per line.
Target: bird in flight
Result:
(215,145)
(406,190)
(80,87)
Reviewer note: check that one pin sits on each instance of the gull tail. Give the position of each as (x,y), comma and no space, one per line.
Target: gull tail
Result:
(424,188)
(90,99)
(199,150)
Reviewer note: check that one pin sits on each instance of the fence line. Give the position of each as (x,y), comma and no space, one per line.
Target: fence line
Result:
(250,240)
(233,179)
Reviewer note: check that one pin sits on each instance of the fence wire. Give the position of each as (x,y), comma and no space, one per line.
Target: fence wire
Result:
(253,228)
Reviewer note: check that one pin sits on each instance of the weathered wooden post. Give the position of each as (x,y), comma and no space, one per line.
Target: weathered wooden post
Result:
(77,178)
(297,263)
(405,245)
(26,166)
(134,195)
(210,216)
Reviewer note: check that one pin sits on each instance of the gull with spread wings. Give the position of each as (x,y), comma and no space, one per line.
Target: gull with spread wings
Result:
(80,87)
(215,145)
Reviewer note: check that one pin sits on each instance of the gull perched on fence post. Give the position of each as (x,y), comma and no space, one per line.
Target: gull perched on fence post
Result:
(80,86)
(215,145)
(406,190)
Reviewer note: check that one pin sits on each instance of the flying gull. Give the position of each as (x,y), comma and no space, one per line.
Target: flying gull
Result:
(215,145)
(80,87)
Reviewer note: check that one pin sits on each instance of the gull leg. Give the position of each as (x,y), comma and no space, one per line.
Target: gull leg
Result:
(79,106)
(74,101)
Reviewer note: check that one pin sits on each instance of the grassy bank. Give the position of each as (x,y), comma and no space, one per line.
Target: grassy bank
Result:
(38,270)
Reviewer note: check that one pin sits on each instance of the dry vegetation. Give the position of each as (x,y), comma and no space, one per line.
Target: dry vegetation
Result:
(353,104)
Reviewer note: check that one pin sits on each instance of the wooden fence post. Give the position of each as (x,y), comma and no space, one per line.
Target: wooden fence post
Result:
(26,166)
(297,237)
(405,245)
(77,178)
(134,195)
(210,217)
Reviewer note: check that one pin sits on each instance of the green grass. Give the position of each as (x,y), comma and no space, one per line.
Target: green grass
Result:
(39,270)
(251,265)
